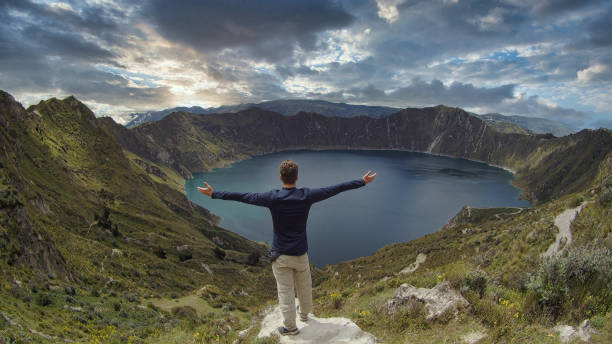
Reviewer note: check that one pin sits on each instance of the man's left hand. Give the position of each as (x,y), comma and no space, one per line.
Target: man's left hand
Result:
(369,177)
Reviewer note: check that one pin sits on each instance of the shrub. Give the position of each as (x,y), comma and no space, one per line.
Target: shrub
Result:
(184,312)
(43,299)
(606,196)
(336,299)
(152,306)
(219,253)
(184,255)
(253,259)
(576,202)
(130,297)
(493,313)
(21,293)
(412,317)
(584,273)
(70,290)
(217,297)
(161,253)
(476,280)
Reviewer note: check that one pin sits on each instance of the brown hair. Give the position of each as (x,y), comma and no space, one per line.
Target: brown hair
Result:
(289,171)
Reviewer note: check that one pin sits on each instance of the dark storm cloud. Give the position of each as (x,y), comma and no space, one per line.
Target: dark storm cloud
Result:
(46,48)
(602,123)
(424,93)
(554,7)
(267,29)
(531,106)
(436,52)
(600,31)
(95,20)
(457,93)
(65,44)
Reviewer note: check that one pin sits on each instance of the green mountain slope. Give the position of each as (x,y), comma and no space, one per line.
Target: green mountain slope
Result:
(89,226)
(99,244)
(492,257)
(505,124)
(546,167)
(533,124)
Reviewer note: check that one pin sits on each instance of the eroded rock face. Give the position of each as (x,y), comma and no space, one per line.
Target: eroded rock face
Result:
(437,300)
(35,248)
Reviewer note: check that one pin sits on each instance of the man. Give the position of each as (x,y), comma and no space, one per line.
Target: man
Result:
(289,208)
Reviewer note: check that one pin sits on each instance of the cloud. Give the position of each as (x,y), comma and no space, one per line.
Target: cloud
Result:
(555,7)
(601,123)
(594,72)
(264,29)
(534,106)
(387,9)
(547,58)
(422,93)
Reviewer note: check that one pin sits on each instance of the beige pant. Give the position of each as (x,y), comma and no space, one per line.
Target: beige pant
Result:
(293,272)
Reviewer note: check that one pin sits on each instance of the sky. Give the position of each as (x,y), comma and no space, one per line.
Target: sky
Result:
(545,58)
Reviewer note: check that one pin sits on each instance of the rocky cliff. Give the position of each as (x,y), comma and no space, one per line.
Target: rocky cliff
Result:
(546,167)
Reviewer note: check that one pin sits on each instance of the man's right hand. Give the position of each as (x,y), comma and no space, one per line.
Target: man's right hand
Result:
(208,190)
(368,177)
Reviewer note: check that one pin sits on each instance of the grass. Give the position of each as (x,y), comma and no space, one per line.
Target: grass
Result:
(73,170)
(505,248)
(68,170)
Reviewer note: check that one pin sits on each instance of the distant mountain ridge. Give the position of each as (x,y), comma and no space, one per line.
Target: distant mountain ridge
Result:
(547,167)
(535,125)
(282,106)
(503,123)
(98,241)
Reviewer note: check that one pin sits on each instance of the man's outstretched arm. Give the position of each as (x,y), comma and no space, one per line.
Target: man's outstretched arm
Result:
(317,195)
(254,198)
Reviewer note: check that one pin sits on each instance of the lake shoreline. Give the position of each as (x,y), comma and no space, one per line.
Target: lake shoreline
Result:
(480,185)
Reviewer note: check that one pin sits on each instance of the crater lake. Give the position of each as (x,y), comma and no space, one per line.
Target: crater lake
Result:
(414,194)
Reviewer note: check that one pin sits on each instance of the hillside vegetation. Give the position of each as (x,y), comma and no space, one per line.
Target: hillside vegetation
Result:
(493,257)
(90,233)
(98,243)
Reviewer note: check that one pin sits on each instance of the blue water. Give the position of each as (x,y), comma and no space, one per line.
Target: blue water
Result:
(414,194)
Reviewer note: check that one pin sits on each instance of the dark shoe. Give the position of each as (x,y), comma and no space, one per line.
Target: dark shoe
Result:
(284,332)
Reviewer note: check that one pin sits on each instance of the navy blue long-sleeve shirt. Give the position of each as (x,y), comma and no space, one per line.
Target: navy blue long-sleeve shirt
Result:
(289,208)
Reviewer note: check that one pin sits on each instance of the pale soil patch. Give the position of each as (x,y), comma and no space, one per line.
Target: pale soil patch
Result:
(420,259)
(473,337)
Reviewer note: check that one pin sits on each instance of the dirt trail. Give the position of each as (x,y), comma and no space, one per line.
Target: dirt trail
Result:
(564,237)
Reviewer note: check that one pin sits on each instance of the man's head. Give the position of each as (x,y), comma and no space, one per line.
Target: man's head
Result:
(289,172)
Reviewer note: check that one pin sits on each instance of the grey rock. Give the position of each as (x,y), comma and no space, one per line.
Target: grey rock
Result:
(437,300)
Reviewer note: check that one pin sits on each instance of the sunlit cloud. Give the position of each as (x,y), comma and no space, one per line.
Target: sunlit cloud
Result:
(548,58)
(387,9)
